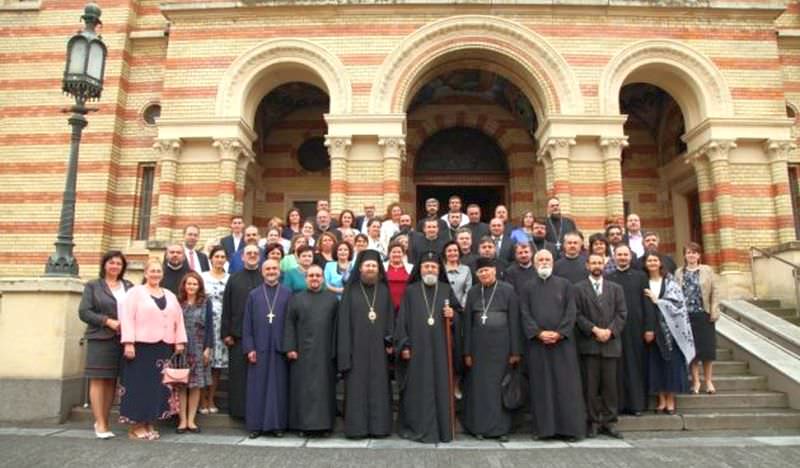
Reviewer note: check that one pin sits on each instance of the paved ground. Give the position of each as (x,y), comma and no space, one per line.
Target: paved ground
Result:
(75,446)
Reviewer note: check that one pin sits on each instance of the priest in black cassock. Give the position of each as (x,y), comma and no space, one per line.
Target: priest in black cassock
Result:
(547,313)
(234,299)
(424,371)
(522,270)
(429,240)
(309,339)
(631,375)
(267,374)
(175,267)
(557,225)
(601,316)
(572,265)
(364,344)
(492,343)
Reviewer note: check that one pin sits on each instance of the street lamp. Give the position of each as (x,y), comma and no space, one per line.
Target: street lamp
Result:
(83,80)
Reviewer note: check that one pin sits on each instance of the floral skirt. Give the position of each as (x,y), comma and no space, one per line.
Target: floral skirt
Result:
(143,397)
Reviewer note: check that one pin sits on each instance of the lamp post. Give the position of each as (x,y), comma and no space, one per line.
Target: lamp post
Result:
(83,80)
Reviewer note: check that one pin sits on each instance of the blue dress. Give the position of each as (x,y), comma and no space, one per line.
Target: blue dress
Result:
(666,375)
(336,278)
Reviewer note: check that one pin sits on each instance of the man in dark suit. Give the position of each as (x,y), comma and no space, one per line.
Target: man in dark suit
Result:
(503,244)
(540,241)
(362,221)
(601,317)
(557,225)
(479,229)
(651,246)
(324,223)
(197,260)
(233,243)
(426,241)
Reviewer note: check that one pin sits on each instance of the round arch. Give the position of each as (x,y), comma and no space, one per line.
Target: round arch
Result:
(505,47)
(688,76)
(273,63)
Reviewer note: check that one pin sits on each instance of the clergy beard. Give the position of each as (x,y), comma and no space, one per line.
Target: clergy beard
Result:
(544,273)
(369,280)
(429,280)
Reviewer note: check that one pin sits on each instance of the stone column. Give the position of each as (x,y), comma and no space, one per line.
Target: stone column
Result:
(717,152)
(778,156)
(555,152)
(246,157)
(338,149)
(394,153)
(167,152)
(708,216)
(230,150)
(612,163)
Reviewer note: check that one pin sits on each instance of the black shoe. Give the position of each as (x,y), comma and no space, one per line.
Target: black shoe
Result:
(479,436)
(255,435)
(302,435)
(180,430)
(194,430)
(572,439)
(591,431)
(277,434)
(503,438)
(611,431)
(637,413)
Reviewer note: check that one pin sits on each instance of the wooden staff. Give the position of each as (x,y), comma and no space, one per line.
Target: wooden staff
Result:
(450,377)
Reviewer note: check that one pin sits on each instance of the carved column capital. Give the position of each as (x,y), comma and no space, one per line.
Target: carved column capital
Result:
(167,150)
(338,146)
(394,147)
(612,147)
(779,150)
(229,148)
(555,148)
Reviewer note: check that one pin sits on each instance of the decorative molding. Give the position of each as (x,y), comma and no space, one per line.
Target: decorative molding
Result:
(555,148)
(167,150)
(715,97)
(230,149)
(249,67)
(612,147)
(713,151)
(338,146)
(554,82)
(778,150)
(394,147)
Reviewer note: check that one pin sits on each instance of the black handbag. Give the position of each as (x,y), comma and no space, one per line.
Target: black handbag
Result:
(514,389)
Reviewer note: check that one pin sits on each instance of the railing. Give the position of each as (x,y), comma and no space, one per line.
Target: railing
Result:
(795,274)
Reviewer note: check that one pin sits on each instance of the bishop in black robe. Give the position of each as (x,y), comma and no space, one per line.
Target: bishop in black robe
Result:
(234,299)
(548,305)
(310,332)
(364,343)
(423,372)
(631,373)
(492,342)
(262,334)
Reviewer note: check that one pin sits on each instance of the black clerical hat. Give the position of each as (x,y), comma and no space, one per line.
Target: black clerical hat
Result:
(429,257)
(484,262)
(369,254)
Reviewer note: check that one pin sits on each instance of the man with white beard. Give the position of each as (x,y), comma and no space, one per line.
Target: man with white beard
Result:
(547,313)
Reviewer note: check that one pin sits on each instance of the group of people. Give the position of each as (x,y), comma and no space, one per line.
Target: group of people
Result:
(448,309)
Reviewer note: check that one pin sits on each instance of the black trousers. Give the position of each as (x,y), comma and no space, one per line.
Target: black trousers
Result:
(600,387)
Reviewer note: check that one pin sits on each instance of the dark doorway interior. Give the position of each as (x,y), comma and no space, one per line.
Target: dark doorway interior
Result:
(488,197)
(695,221)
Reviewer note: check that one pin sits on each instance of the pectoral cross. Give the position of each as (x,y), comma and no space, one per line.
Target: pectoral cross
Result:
(270,316)
(483,319)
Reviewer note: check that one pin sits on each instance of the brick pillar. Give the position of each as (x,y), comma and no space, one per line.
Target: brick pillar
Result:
(708,215)
(230,150)
(394,153)
(556,152)
(167,155)
(338,149)
(717,153)
(245,158)
(612,163)
(778,156)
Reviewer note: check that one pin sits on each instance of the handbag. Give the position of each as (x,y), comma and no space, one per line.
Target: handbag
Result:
(176,370)
(514,389)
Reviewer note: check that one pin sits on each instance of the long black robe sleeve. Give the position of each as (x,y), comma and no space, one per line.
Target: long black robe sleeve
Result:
(567,324)
(343,338)
(514,324)
(290,326)
(227,311)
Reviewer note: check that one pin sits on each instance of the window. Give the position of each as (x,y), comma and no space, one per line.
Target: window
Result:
(151,114)
(794,179)
(147,173)
(313,155)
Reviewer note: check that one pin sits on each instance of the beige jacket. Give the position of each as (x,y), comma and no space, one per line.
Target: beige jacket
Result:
(708,287)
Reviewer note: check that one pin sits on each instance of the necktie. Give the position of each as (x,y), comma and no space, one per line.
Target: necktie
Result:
(191,260)
(596,287)
(496,246)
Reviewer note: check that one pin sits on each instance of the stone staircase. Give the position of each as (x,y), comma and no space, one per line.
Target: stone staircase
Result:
(743,401)
(775,307)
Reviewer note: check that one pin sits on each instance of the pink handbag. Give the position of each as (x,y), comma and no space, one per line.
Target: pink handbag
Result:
(175,371)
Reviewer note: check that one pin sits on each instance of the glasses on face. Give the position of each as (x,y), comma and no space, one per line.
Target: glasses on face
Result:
(251,253)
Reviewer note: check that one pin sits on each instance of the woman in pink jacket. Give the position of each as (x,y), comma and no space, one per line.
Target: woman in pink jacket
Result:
(152,327)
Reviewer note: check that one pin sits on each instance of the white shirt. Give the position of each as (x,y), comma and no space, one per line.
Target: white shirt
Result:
(464,219)
(236,242)
(597,284)
(635,241)
(655,286)
(388,229)
(119,292)
(192,259)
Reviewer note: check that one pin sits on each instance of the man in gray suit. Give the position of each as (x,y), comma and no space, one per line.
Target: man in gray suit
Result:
(600,319)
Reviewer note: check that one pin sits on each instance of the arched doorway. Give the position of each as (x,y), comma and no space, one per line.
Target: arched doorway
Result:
(657,184)
(470,133)
(290,150)
(461,161)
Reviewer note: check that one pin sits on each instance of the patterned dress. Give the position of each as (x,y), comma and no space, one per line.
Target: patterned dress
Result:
(214,291)
(703,329)
(197,318)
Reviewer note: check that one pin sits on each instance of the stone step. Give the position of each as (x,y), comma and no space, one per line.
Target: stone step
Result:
(723,399)
(729,368)
(781,312)
(765,303)
(751,418)
(724,354)
(725,383)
